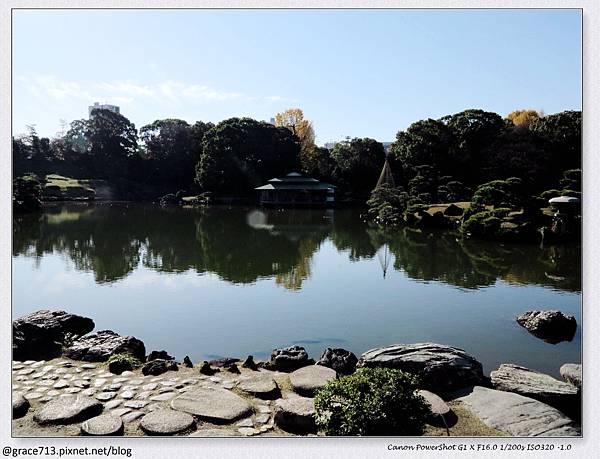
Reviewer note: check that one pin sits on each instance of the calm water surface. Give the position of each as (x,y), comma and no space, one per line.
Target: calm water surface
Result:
(231,282)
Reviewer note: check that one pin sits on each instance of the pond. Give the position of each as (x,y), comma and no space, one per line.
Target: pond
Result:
(236,281)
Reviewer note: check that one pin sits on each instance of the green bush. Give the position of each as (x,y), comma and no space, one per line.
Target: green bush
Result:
(27,194)
(485,224)
(371,401)
(123,361)
(499,193)
(549,194)
(386,205)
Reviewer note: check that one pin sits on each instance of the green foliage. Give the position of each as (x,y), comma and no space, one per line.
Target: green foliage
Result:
(454,191)
(125,358)
(386,205)
(484,224)
(549,194)
(27,194)
(372,401)
(239,154)
(358,163)
(500,193)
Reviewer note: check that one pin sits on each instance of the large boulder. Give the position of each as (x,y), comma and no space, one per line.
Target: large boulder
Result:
(517,415)
(67,409)
(551,326)
(20,406)
(163,355)
(41,335)
(530,383)
(340,360)
(571,372)
(99,346)
(289,358)
(212,404)
(441,368)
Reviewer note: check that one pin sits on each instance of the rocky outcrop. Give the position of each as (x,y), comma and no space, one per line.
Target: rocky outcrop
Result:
(158,367)
(551,326)
(99,346)
(340,360)
(296,414)
(517,415)
(453,211)
(289,358)
(571,372)
(187,362)
(529,383)
(441,368)
(309,380)
(250,363)
(41,335)
(224,362)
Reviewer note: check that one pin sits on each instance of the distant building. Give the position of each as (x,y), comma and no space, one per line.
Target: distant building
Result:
(96,106)
(296,190)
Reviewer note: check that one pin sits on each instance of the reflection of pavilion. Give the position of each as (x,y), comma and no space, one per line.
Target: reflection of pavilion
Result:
(294,226)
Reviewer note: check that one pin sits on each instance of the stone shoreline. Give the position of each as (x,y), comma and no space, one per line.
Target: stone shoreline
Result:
(62,396)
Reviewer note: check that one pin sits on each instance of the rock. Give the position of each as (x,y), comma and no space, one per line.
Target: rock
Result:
(340,360)
(453,211)
(214,433)
(135,404)
(517,415)
(296,415)
(248,431)
(529,383)
(106,396)
(163,397)
(159,355)
(551,326)
(233,369)
(188,362)
(309,380)
(212,404)
(289,358)
(206,369)
(249,363)
(99,346)
(117,367)
(166,422)
(440,413)
(223,362)
(127,395)
(68,409)
(40,335)
(261,387)
(130,417)
(158,367)
(20,406)
(103,425)
(571,372)
(441,368)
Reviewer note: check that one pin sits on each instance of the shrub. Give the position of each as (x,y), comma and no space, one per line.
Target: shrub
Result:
(27,194)
(372,401)
(549,194)
(386,205)
(485,224)
(499,193)
(118,363)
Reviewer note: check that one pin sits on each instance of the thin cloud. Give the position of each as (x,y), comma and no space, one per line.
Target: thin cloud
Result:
(127,92)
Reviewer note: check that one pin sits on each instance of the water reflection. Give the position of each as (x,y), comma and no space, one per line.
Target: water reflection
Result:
(242,245)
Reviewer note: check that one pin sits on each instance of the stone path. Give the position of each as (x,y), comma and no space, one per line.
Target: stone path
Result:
(67,397)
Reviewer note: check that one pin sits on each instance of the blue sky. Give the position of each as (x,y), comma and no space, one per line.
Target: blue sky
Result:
(358,73)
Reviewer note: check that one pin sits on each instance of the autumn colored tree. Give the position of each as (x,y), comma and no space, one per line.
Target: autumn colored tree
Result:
(293,119)
(523,118)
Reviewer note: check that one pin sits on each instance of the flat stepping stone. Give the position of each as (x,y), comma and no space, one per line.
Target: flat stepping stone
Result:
(166,422)
(33,395)
(20,406)
(245,423)
(113,404)
(571,372)
(103,425)
(261,387)
(163,397)
(120,411)
(440,414)
(296,414)
(67,409)
(130,417)
(214,433)
(530,383)
(263,418)
(212,404)
(136,404)
(517,415)
(248,431)
(127,395)
(308,380)
(106,396)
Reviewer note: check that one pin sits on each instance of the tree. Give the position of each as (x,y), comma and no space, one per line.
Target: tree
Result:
(523,118)
(293,119)
(239,154)
(358,163)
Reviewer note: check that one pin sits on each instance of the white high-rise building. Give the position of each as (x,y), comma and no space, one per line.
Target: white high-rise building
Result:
(112,108)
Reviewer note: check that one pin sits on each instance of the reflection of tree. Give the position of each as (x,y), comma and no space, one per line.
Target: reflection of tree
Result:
(241,246)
